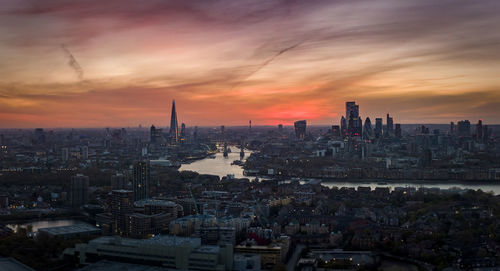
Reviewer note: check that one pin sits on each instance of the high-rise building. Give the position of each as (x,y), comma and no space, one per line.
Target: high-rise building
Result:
(141,180)
(378,127)
(2,140)
(354,122)
(121,205)
(300,129)
(280,128)
(463,128)
(479,129)
(350,107)
(79,190)
(174,125)
(343,126)
(452,128)
(397,131)
(183,130)
(152,132)
(155,135)
(368,130)
(390,125)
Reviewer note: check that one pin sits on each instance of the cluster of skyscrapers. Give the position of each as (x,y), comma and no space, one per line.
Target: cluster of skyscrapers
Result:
(351,125)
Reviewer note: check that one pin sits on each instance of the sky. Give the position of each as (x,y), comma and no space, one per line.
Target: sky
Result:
(94,63)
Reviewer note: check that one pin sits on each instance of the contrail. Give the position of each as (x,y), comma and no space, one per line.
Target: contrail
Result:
(73,63)
(267,62)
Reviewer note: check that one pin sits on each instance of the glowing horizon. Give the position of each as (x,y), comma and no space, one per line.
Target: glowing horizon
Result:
(121,63)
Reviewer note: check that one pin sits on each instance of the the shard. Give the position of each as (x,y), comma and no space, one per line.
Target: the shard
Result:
(174,125)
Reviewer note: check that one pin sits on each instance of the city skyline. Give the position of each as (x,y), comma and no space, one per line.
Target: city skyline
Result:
(88,64)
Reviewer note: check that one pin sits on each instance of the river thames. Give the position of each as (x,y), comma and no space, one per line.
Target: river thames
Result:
(221,166)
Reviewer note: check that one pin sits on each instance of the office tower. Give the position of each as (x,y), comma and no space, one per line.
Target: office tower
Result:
(368,130)
(118,181)
(378,127)
(390,125)
(121,204)
(300,129)
(141,180)
(397,131)
(155,135)
(351,107)
(152,133)
(85,152)
(79,190)
(354,122)
(174,125)
(452,128)
(463,128)
(183,130)
(280,128)
(479,130)
(2,140)
(65,154)
(343,126)
(222,129)
(336,130)
(486,133)
(249,125)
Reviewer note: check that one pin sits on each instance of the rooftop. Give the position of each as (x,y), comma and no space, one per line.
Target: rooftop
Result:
(71,229)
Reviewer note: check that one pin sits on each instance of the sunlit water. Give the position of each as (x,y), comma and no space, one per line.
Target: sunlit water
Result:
(495,188)
(221,166)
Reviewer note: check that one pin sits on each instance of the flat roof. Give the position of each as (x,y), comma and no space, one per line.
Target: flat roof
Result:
(161,240)
(157,202)
(71,229)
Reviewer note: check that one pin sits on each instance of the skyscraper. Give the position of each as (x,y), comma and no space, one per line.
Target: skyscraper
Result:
(343,126)
(397,131)
(349,108)
(152,133)
(368,130)
(300,129)
(79,190)
(463,128)
(174,125)
(378,127)
(183,130)
(479,129)
(141,180)
(390,125)
(354,122)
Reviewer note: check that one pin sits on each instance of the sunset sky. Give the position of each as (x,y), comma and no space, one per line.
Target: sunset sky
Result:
(95,63)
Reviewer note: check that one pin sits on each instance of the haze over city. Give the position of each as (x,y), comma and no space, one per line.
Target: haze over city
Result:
(120,63)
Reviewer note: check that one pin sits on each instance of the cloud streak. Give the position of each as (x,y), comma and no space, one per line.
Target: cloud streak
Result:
(72,62)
